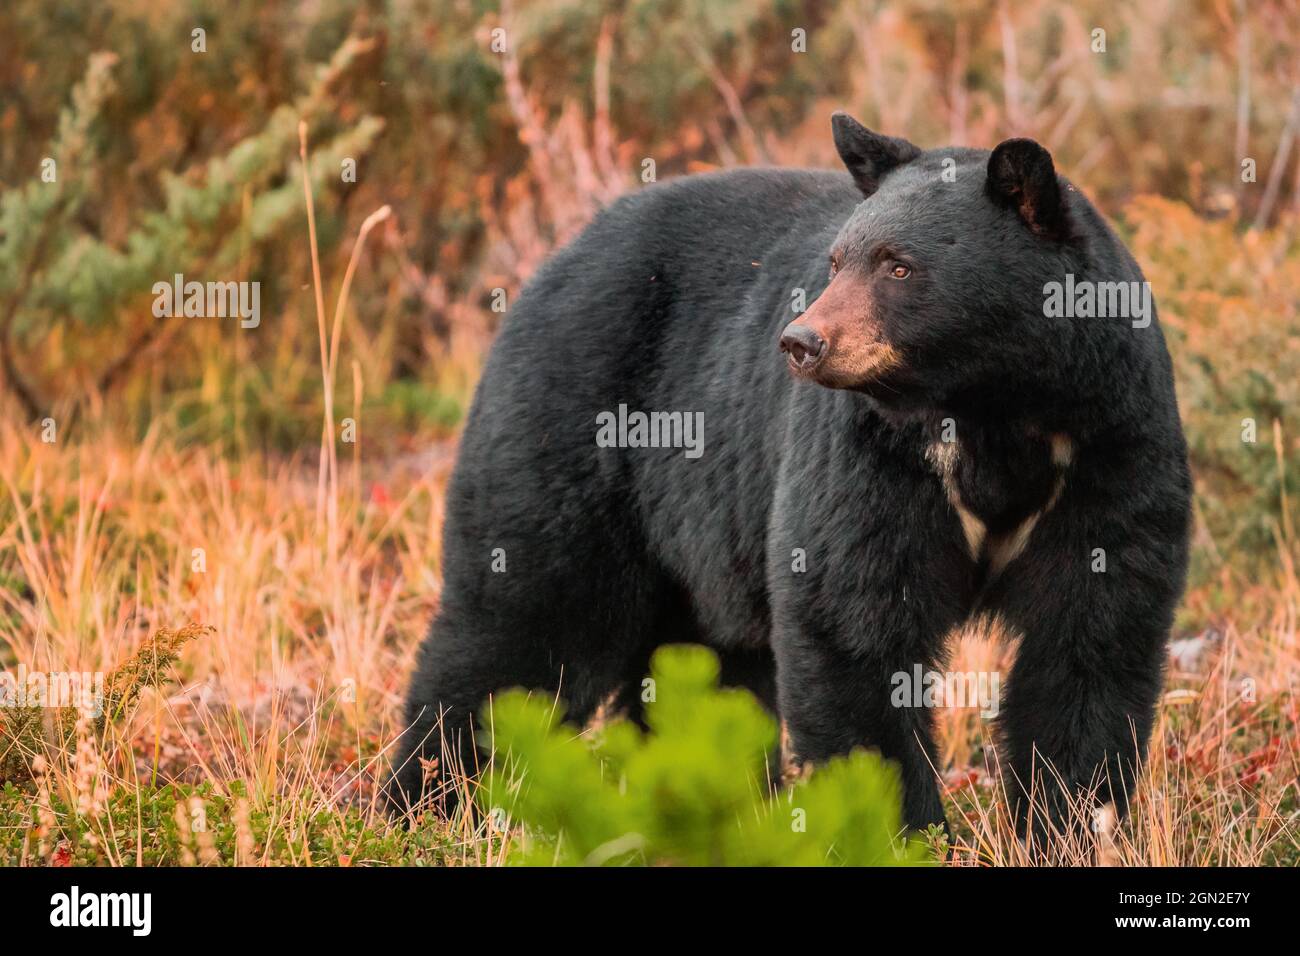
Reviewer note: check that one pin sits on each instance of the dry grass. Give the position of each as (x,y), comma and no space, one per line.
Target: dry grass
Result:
(1220,784)
(317,584)
(297,687)
(293,698)
(291,701)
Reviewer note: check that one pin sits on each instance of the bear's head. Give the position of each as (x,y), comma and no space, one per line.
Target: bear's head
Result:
(937,279)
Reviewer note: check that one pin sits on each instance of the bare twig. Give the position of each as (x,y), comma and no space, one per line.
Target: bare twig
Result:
(1280,158)
(602,133)
(731,98)
(958,95)
(327,436)
(1010,69)
(1240,141)
(532,133)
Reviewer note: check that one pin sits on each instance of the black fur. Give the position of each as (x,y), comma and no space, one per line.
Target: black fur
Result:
(674,299)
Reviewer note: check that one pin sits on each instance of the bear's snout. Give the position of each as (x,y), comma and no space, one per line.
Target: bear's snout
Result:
(839,342)
(803,345)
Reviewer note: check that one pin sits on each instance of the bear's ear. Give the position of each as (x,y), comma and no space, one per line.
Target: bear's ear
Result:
(1021,176)
(868,155)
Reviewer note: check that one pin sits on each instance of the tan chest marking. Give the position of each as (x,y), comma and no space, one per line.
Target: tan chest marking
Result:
(999,549)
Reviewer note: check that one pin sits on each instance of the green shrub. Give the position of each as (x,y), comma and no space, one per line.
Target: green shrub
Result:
(691,791)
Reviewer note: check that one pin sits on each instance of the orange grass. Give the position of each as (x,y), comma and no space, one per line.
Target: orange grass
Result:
(297,693)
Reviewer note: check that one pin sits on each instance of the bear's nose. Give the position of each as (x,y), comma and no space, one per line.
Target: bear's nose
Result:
(803,345)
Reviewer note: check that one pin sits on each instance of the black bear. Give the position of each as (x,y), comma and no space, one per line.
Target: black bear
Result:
(975,414)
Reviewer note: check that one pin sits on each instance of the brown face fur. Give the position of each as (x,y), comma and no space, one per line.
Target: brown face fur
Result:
(855,352)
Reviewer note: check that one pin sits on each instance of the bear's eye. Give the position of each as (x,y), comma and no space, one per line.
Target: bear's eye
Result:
(835,265)
(899,271)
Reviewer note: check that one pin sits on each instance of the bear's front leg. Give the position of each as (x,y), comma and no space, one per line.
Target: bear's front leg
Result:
(1092,600)
(868,572)
(834,700)
(856,602)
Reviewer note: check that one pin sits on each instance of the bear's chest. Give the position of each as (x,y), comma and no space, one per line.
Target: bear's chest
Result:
(1000,488)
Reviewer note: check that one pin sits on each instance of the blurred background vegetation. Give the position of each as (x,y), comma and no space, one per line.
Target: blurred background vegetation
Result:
(495,130)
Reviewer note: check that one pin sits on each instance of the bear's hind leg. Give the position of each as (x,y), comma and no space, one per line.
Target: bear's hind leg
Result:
(580,639)
(460,665)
